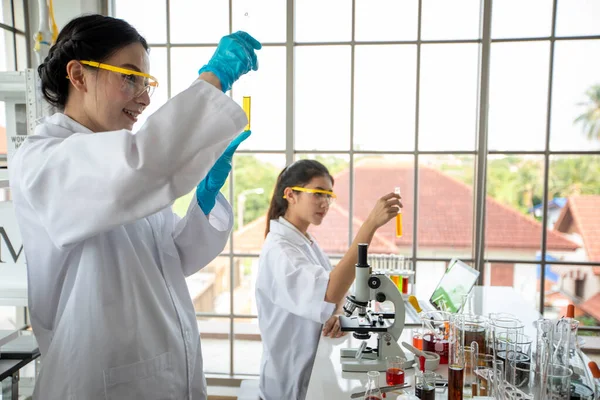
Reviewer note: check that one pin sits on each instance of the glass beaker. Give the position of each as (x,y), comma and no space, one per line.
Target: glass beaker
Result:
(425,385)
(373,392)
(558,383)
(502,324)
(476,330)
(394,374)
(417,338)
(436,328)
(513,347)
(524,376)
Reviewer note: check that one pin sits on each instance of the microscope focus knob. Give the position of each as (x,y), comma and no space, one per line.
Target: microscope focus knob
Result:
(374,282)
(380,297)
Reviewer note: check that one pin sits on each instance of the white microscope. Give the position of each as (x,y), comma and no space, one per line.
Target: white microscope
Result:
(367,287)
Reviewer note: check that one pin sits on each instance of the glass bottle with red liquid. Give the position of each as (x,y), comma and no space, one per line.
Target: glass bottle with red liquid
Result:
(436,326)
(373,392)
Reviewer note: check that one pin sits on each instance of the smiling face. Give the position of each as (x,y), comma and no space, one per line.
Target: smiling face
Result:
(304,208)
(104,100)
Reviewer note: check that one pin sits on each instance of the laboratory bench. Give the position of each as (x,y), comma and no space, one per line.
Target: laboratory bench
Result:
(329,382)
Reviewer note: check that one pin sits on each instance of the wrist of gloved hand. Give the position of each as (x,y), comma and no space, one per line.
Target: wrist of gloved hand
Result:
(222,72)
(206,198)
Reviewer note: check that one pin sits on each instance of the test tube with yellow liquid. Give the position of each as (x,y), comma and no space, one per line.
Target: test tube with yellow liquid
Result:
(398,216)
(246,105)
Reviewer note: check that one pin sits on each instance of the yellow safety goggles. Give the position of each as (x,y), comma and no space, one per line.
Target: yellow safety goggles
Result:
(134,83)
(318,194)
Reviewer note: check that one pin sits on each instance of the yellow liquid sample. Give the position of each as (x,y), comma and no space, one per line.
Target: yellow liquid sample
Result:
(399,225)
(246,104)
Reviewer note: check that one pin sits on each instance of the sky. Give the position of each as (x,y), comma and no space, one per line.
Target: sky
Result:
(385,79)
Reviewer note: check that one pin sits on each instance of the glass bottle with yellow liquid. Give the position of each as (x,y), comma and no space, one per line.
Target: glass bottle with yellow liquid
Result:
(398,216)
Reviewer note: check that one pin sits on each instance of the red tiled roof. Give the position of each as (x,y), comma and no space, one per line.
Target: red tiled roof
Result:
(332,236)
(592,306)
(3,143)
(558,297)
(445,209)
(582,212)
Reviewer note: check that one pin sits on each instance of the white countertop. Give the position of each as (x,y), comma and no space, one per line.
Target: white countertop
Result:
(329,382)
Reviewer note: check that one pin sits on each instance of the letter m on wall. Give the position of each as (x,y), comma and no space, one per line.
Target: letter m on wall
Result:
(15,255)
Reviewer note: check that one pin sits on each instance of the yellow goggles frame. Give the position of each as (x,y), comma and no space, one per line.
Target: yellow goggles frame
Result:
(153,81)
(307,190)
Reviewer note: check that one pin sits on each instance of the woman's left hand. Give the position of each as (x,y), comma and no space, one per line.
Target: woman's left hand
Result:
(333,328)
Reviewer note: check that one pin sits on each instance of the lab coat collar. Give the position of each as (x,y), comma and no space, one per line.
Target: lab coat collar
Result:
(285,228)
(67,126)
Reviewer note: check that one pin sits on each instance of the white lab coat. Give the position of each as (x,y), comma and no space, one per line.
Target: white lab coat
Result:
(293,274)
(107,257)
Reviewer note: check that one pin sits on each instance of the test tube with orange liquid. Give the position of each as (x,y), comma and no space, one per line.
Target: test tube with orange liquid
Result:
(398,216)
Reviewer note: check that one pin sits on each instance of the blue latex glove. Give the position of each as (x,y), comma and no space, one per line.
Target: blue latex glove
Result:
(208,189)
(233,58)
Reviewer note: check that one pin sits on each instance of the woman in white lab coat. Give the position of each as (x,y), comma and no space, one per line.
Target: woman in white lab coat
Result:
(298,292)
(106,256)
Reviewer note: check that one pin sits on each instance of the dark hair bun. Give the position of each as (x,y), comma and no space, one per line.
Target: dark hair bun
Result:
(90,37)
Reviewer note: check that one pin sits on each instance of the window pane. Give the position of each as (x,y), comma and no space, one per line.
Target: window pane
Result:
(147,16)
(386,20)
(445,206)
(518,96)
(185,63)
(7,63)
(575,96)
(254,176)
(3,143)
(572,179)
(518,276)
(215,336)
(322,98)
(577,18)
(21,53)
(209,287)
(332,234)
(567,284)
(158,69)
(245,271)
(520,19)
(19,15)
(385,119)
(6,13)
(247,348)
(514,188)
(8,318)
(446,20)
(427,276)
(374,177)
(199,21)
(267,90)
(323,21)
(448,105)
(265,20)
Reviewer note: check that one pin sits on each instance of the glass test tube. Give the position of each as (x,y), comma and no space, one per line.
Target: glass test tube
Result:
(398,217)
(246,105)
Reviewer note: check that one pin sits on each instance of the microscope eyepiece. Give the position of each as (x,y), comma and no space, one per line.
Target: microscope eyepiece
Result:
(362,255)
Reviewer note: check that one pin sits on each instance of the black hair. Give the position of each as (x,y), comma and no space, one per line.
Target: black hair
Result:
(299,173)
(92,37)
